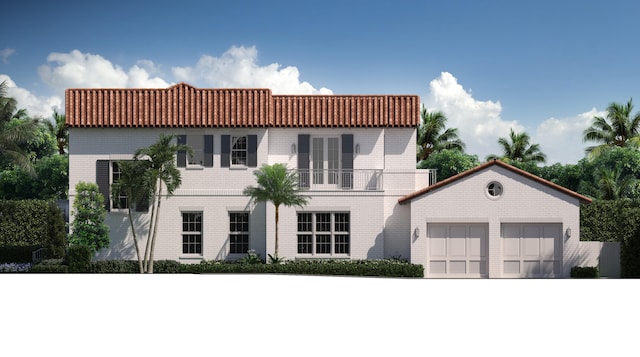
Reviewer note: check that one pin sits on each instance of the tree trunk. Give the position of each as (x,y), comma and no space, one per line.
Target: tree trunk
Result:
(147,249)
(155,228)
(277,218)
(135,241)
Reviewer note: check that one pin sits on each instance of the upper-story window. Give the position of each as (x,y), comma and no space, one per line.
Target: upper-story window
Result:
(202,147)
(122,202)
(196,142)
(325,158)
(239,151)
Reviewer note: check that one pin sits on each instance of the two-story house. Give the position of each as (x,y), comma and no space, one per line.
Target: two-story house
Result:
(355,156)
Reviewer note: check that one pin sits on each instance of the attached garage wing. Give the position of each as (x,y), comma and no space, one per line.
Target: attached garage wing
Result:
(531,250)
(457,250)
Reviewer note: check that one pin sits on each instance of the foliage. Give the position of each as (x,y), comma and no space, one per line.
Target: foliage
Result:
(584,272)
(15,267)
(433,137)
(279,186)
(16,129)
(251,258)
(79,258)
(89,215)
(630,254)
(614,169)
(50,266)
(619,128)
(136,183)
(448,163)
(517,147)
(32,223)
(114,266)
(160,170)
(58,130)
(17,254)
(51,180)
(609,221)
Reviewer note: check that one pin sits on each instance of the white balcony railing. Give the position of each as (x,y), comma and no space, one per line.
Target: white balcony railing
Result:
(357,180)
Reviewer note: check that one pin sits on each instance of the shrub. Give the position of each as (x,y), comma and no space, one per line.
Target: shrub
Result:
(89,215)
(584,272)
(630,256)
(17,254)
(50,266)
(14,267)
(114,266)
(32,223)
(165,266)
(79,258)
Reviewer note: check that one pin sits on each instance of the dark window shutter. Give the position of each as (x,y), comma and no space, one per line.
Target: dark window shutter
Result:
(225,151)
(252,150)
(208,151)
(182,155)
(102,180)
(347,160)
(303,160)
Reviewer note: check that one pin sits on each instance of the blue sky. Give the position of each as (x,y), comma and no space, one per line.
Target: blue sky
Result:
(546,67)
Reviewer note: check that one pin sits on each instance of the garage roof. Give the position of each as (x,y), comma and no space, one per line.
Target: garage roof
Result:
(452,179)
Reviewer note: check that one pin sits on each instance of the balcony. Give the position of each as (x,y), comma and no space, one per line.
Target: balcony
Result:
(328,180)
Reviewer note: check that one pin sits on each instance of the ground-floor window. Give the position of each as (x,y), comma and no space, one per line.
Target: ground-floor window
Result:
(238,232)
(323,233)
(192,232)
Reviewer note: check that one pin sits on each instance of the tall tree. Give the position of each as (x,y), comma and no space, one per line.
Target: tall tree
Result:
(58,128)
(612,185)
(618,128)
(161,171)
(277,184)
(517,147)
(433,137)
(136,184)
(12,133)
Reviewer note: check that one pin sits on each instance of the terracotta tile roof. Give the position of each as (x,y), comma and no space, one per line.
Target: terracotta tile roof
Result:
(478,168)
(182,105)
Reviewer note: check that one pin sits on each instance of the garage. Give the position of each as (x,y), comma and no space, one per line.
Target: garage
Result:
(456,250)
(531,250)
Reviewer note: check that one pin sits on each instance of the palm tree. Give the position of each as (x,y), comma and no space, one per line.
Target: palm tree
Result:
(135,183)
(58,128)
(161,171)
(518,148)
(612,186)
(280,186)
(14,134)
(619,128)
(433,137)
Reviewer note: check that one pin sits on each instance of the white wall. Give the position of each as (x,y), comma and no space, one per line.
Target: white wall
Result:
(523,201)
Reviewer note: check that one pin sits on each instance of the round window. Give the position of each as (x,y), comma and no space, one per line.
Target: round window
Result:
(494,189)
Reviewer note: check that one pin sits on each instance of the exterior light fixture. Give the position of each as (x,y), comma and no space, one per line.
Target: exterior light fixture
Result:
(293,148)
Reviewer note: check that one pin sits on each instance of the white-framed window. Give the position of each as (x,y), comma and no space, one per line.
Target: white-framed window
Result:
(238,232)
(192,232)
(324,233)
(494,190)
(122,202)
(325,160)
(196,142)
(239,150)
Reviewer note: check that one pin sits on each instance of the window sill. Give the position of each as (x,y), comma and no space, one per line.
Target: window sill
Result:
(191,257)
(238,168)
(194,167)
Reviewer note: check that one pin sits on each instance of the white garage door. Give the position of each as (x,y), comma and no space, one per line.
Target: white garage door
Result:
(531,250)
(457,250)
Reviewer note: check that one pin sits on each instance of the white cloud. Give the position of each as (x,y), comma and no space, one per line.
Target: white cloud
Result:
(561,139)
(85,70)
(238,67)
(480,125)
(35,105)
(6,53)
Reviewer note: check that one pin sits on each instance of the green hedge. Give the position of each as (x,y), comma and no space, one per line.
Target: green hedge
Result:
(584,272)
(79,258)
(20,254)
(33,223)
(382,268)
